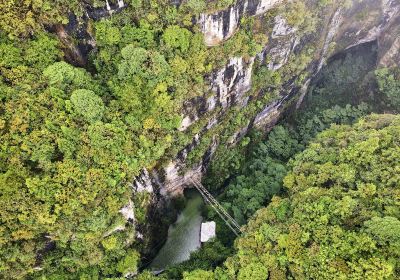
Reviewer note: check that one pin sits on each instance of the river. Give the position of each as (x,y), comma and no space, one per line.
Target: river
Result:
(183,236)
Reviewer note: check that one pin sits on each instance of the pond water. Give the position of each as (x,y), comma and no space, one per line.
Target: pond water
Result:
(183,236)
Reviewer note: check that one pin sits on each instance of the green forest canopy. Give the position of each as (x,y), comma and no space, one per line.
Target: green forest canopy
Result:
(341,217)
(72,140)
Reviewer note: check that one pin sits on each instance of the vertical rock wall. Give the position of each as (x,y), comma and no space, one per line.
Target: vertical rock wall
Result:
(221,25)
(230,84)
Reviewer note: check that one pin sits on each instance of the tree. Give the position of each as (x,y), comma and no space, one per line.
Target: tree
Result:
(197,6)
(42,51)
(386,231)
(66,78)
(87,105)
(340,219)
(281,144)
(21,18)
(107,33)
(198,274)
(260,179)
(129,263)
(210,255)
(389,84)
(177,37)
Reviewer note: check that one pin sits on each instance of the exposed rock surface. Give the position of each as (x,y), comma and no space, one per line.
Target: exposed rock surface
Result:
(368,20)
(76,39)
(110,8)
(128,212)
(221,25)
(143,182)
(339,29)
(281,27)
(230,84)
(389,40)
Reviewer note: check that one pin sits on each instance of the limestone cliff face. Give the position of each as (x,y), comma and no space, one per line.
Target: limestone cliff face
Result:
(338,29)
(221,25)
(389,37)
(76,39)
(342,28)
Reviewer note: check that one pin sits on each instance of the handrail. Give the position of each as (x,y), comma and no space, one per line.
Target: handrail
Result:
(228,219)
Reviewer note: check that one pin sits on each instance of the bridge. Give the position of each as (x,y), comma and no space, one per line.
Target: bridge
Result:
(219,209)
(209,198)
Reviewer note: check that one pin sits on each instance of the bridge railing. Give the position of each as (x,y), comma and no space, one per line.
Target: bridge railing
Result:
(209,198)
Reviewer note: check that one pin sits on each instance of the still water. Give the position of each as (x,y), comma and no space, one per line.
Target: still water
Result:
(183,236)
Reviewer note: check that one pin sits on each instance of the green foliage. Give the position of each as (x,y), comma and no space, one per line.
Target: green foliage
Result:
(177,37)
(197,6)
(42,51)
(281,144)
(252,173)
(346,80)
(63,181)
(147,275)
(341,218)
(389,84)
(21,18)
(386,231)
(261,179)
(299,15)
(129,263)
(72,141)
(228,163)
(87,104)
(198,274)
(107,34)
(21,62)
(209,256)
(66,78)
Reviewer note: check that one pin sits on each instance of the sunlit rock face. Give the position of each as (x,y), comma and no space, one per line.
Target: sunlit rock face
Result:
(389,53)
(228,86)
(333,27)
(281,28)
(176,175)
(283,41)
(230,83)
(111,7)
(278,56)
(128,212)
(221,25)
(143,182)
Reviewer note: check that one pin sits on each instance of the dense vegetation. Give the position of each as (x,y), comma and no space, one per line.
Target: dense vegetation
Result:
(254,170)
(340,219)
(72,139)
(256,167)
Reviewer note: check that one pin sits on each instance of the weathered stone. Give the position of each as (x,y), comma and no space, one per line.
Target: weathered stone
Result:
(281,28)
(143,182)
(232,82)
(128,212)
(221,25)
